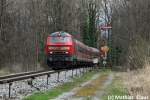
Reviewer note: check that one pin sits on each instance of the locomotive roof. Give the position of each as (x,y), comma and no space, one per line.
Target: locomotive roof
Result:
(61,33)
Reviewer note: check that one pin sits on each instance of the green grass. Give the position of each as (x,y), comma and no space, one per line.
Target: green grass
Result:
(51,94)
(115,89)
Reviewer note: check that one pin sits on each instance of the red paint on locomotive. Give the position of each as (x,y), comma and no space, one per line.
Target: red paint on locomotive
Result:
(59,43)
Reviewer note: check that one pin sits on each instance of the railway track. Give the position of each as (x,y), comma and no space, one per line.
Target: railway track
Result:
(31,76)
(23,76)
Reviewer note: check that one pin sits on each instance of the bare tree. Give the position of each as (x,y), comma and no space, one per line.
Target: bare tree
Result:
(25,24)
(130,30)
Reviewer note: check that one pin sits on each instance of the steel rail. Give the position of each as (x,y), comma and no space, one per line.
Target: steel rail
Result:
(23,76)
(19,74)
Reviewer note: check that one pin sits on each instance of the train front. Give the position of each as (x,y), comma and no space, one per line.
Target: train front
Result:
(59,50)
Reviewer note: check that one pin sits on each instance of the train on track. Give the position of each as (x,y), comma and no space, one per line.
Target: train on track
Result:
(63,51)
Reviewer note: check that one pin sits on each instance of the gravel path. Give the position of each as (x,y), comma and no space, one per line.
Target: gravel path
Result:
(99,94)
(71,95)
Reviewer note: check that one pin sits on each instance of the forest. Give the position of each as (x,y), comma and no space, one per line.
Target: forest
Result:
(25,24)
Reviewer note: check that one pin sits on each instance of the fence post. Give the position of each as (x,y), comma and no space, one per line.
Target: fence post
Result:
(10,84)
(58,76)
(83,70)
(80,71)
(76,72)
(66,74)
(72,73)
(47,78)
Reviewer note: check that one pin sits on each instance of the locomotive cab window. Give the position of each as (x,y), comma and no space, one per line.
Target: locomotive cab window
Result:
(60,39)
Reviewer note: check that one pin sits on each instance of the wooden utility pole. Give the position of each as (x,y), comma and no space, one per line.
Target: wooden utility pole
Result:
(105,10)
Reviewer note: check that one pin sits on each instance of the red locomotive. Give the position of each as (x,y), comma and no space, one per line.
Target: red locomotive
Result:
(63,51)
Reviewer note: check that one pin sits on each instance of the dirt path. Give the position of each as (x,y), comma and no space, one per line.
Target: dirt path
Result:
(91,90)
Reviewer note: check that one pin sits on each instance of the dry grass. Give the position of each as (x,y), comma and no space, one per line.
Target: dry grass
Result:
(4,71)
(138,82)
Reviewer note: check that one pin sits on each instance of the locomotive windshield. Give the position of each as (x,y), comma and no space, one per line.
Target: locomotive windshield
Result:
(60,39)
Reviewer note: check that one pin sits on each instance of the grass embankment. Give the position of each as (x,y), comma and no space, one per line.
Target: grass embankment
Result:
(115,89)
(51,94)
